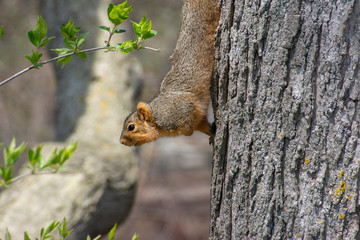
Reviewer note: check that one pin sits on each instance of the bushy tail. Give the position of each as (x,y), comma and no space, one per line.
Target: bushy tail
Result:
(199,23)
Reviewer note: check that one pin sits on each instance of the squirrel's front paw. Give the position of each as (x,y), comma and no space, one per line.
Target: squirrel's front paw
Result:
(212,131)
(213,128)
(211,140)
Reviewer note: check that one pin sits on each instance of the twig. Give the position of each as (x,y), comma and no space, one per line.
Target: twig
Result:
(152,49)
(63,56)
(29,174)
(17,178)
(48,61)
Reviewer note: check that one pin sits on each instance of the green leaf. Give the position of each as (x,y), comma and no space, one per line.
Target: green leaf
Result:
(89,238)
(61,52)
(71,40)
(44,233)
(150,34)
(13,143)
(58,159)
(35,158)
(118,14)
(143,20)
(80,42)
(71,44)
(31,154)
(83,35)
(38,33)
(105,28)
(63,230)
(68,151)
(69,30)
(137,29)
(26,236)
(33,39)
(81,55)
(29,58)
(40,29)
(117,46)
(112,232)
(143,29)
(64,61)
(135,237)
(119,31)
(34,58)
(44,42)
(52,160)
(128,46)
(1,31)
(7,235)
(12,153)
(6,174)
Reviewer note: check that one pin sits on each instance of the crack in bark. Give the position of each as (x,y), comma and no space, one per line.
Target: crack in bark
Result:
(227,78)
(314,76)
(224,167)
(270,221)
(350,21)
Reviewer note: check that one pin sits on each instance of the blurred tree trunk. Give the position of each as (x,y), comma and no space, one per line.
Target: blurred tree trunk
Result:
(75,79)
(286,101)
(93,97)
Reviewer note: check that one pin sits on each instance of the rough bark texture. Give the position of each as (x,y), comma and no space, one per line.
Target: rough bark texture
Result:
(286,100)
(94,96)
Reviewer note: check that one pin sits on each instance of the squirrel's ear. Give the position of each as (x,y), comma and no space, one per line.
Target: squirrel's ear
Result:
(143,112)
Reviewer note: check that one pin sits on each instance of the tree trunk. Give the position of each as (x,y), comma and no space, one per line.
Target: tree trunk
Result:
(286,100)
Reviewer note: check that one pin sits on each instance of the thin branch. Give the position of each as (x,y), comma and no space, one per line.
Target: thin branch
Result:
(15,179)
(63,56)
(152,49)
(73,53)
(16,75)
(48,61)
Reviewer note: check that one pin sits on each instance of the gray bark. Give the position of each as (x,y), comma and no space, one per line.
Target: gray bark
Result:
(93,97)
(286,100)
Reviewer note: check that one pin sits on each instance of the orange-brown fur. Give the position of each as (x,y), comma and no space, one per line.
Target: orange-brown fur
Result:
(181,105)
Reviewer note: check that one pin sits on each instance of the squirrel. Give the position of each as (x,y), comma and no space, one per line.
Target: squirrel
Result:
(181,105)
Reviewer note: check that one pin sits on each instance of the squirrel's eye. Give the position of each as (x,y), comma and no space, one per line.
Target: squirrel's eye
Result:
(131,127)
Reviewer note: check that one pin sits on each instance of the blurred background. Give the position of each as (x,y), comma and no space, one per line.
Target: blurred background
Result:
(172,201)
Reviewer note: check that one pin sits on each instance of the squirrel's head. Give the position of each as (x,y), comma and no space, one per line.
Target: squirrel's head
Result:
(138,127)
